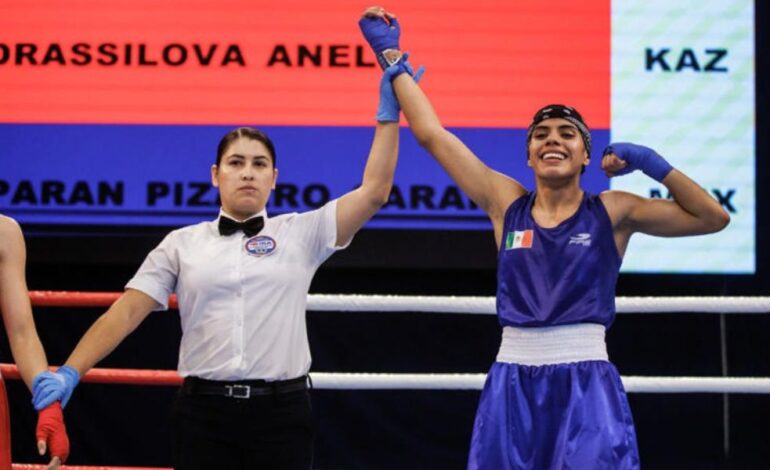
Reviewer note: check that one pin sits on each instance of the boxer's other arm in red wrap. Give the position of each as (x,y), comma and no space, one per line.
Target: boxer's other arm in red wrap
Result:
(52,435)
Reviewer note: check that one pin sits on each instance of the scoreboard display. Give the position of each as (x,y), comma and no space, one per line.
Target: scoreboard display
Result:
(110,112)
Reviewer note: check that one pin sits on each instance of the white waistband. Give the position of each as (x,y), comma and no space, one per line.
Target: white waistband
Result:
(553,344)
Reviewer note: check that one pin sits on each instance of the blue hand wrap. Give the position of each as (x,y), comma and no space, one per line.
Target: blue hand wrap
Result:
(381,36)
(639,157)
(389,110)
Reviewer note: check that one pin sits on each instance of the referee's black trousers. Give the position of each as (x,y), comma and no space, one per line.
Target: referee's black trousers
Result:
(261,432)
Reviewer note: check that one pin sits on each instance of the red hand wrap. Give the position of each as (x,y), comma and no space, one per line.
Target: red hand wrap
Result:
(50,428)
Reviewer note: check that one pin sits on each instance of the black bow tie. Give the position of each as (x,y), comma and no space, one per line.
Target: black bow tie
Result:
(251,227)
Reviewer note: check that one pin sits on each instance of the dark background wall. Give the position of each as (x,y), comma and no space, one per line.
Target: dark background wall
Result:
(128,425)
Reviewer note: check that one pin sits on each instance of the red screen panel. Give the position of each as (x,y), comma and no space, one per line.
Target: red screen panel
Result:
(490,64)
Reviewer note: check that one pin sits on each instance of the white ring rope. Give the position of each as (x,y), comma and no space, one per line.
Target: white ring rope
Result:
(486,305)
(366,381)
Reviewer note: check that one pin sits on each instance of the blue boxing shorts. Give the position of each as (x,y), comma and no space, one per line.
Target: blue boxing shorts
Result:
(569,413)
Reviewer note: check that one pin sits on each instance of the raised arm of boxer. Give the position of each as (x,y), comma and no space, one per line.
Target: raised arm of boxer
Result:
(490,189)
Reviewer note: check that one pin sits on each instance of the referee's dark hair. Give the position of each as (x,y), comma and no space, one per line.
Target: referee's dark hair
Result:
(248,133)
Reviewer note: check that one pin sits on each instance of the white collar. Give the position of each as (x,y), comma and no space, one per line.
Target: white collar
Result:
(262,213)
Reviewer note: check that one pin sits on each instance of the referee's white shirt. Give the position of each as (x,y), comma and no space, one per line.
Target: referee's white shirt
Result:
(241,302)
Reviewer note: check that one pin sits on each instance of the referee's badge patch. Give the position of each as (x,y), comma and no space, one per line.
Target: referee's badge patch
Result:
(261,245)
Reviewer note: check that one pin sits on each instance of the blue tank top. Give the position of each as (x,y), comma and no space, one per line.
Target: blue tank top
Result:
(560,275)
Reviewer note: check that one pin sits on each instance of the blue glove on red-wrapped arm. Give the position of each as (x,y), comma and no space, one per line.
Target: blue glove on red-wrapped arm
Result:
(639,157)
(48,387)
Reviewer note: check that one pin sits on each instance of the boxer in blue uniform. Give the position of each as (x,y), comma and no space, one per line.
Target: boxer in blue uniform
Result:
(552,400)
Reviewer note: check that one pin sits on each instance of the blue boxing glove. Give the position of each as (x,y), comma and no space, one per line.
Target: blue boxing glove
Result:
(48,387)
(388,109)
(382,35)
(639,157)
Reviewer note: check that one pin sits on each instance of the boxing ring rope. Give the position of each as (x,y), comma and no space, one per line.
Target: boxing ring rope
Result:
(441,304)
(27,466)
(426,304)
(391,381)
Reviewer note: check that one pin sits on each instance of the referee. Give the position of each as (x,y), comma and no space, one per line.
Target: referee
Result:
(242,282)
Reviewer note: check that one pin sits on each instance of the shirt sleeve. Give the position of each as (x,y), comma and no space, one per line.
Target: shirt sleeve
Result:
(158,273)
(318,228)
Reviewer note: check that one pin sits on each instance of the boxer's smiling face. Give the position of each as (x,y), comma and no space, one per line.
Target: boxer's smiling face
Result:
(556,149)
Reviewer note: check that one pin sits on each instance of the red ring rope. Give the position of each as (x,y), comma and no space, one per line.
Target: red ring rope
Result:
(47,298)
(26,466)
(113,376)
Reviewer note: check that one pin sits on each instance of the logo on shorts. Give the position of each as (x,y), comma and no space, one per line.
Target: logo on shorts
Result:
(260,245)
(580,239)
